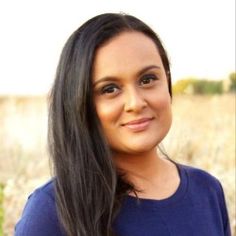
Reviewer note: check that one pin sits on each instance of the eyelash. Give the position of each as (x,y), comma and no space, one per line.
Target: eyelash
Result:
(149,78)
(106,88)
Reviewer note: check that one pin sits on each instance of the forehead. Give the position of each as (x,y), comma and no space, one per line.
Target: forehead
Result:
(126,52)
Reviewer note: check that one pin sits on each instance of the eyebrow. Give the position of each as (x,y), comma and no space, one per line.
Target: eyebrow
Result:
(113,78)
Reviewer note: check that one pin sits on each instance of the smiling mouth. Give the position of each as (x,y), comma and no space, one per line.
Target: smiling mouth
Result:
(138,125)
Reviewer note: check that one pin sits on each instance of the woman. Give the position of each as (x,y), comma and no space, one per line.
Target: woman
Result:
(110,107)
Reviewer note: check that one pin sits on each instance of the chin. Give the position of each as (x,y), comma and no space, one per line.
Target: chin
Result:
(134,148)
(138,143)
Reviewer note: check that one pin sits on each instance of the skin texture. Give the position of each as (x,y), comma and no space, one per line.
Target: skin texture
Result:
(134,107)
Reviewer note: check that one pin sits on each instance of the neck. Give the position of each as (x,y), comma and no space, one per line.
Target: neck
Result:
(150,173)
(143,165)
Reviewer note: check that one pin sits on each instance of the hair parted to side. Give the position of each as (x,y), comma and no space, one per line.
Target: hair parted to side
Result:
(87,184)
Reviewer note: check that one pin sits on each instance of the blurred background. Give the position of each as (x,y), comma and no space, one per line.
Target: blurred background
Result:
(199,37)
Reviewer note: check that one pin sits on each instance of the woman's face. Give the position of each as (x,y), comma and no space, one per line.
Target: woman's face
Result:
(131,93)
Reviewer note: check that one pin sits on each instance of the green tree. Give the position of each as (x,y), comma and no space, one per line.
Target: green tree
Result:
(198,86)
(208,87)
(232,78)
(184,86)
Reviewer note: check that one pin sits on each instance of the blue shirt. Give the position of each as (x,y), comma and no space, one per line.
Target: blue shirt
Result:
(197,208)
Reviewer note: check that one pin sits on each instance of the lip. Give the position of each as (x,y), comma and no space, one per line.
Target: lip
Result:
(138,125)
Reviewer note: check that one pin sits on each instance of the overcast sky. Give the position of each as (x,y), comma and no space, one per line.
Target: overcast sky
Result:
(199,36)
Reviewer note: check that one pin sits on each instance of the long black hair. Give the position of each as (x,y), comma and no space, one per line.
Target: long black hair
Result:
(87,185)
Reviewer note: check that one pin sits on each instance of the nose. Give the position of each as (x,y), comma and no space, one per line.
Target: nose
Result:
(134,100)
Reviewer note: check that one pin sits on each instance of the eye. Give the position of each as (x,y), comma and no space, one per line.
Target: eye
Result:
(109,89)
(147,80)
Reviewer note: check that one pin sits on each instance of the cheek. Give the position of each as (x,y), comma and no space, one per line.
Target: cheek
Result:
(162,107)
(166,109)
(107,113)
(161,101)
(165,103)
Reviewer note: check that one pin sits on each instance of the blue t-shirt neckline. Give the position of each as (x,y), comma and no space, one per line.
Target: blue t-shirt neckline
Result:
(176,197)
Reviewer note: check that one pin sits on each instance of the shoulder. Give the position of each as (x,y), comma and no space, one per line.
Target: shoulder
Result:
(198,174)
(39,216)
(46,190)
(42,198)
(204,187)
(204,184)
(201,179)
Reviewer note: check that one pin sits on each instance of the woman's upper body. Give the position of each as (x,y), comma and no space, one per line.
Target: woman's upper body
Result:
(110,107)
(197,207)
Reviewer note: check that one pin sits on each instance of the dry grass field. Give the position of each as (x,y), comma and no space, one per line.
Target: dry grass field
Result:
(202,135)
